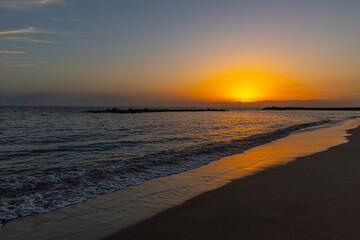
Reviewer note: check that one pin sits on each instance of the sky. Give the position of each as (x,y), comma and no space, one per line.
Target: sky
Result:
(178,53)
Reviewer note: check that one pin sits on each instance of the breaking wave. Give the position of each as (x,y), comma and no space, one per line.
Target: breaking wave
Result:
(41,193)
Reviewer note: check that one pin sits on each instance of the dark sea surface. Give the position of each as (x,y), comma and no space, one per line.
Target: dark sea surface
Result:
(51,157)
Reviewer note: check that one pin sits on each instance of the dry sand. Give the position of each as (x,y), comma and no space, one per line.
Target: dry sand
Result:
(314,197)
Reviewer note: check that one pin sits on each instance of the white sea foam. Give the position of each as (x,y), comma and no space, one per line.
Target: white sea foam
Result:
(41,193)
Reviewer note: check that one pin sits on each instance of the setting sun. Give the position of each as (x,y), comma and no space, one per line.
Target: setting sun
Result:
(245,94)
(249,86)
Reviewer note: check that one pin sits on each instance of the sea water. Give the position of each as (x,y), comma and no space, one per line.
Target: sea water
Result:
(52,157)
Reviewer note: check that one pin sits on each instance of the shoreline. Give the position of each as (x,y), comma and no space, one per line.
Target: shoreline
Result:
(106,214)
(314,197)
(215,153)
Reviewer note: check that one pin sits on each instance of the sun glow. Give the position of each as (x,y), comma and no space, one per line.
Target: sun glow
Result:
(244,94)
(249,86)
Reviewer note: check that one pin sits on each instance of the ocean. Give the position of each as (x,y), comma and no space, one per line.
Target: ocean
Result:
(53,157)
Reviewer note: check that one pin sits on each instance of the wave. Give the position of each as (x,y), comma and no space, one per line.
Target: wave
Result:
(41,193)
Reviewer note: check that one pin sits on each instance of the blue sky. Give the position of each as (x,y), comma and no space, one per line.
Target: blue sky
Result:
(149,52)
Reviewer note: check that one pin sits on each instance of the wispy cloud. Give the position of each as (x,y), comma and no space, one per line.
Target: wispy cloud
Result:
(12,64)
(29,4)
(20,35)
(27,39)
(11,52)
(22,65)
(29,30)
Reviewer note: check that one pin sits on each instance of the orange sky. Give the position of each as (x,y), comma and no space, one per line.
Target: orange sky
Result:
(250,86)
(178,51)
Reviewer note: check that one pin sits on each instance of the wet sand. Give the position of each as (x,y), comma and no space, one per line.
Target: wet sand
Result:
(314,197)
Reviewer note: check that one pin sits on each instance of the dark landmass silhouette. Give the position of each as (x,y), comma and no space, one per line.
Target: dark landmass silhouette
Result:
(147,110)
(315,108)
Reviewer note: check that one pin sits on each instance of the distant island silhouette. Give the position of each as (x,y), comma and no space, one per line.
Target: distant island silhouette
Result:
(147,110)
(316,109)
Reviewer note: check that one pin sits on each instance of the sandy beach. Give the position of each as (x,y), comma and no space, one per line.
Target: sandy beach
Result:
(314,197)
